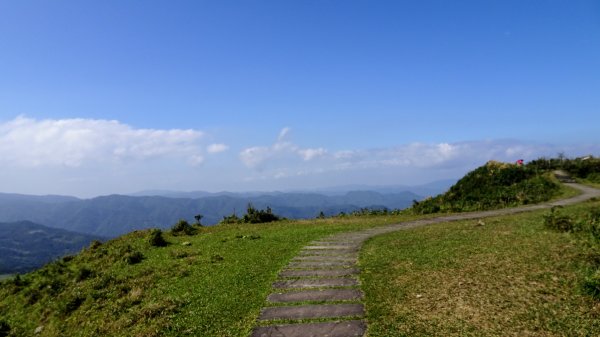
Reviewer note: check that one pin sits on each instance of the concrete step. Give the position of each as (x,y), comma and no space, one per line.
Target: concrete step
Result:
(319,272)
(312,311)
(333,329)
(316,295)
(315,283)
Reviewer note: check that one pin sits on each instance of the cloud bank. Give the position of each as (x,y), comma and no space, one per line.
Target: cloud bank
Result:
(88,157)
(284,159)
(281,151)
(27,142)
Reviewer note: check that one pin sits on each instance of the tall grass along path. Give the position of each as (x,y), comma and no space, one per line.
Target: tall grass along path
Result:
(318,294)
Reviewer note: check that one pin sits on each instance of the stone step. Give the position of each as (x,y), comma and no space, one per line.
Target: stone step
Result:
(330,329)
(319,272)
(351,251)
(334,243)
(319,264)
(312,311)
(325,258)
(341,247)
(315,283)
(316,295)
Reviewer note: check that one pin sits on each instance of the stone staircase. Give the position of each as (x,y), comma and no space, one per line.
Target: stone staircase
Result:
(318,293)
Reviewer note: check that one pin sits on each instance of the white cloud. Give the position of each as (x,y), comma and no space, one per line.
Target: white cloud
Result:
(252,157)
(27,142)
(217,148)
(309,154)
(283,134)
(286,160)
(257,156)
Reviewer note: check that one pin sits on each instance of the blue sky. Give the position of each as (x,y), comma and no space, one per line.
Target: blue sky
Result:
(119,96)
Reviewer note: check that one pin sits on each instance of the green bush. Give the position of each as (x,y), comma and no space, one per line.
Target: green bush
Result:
(72,304)
(156,238)
(230,219)
(584,168)
(493,185)
(557,221)
(252,215)
(4,328)
(182,227)
(83,274)
(133,257)
(594,177)
(591,285)
(95,244)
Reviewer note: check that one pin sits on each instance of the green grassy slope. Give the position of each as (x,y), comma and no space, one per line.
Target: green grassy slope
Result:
(493,185)
(507,276)
(213,287)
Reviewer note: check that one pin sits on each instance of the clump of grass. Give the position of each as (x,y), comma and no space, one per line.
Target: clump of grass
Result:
(72,304)
(156,239)
(134,257)
(95,244)
(182,227)
(4,328)
(557,221)
(591,285)
(83,273)
(216,258)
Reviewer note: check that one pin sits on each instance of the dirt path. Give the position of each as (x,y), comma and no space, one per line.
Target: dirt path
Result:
(321,283)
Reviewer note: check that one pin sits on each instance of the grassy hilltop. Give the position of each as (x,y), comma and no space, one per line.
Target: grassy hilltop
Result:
(533,274)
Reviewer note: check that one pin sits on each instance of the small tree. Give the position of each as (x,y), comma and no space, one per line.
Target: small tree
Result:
(198,217)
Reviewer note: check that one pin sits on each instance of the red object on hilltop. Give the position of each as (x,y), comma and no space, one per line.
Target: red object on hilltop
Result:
(520,162)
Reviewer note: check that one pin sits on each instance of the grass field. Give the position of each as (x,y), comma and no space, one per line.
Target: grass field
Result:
(213,287)
(509,276)
(506,277)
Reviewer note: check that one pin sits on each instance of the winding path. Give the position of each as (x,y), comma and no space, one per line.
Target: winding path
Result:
(321,283)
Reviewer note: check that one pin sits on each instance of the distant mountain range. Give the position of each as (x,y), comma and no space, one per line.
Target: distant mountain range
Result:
(25,246)
(114,215)
(430,189)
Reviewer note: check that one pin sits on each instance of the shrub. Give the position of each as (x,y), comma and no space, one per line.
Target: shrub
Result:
(252,215)
(591,285)
(231,219)
(83,274)
(95,244)
(556,221)
(4,328)
(156,238)
(594,177)
(182,227)
(72,304)
(133,257)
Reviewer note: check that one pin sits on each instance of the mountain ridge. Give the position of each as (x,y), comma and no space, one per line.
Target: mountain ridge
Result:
(25,245)
(113,215)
